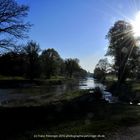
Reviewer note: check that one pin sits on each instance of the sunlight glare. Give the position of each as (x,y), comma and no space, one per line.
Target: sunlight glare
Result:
(136,25)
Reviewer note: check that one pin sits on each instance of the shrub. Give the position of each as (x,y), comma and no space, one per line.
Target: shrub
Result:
(97,93)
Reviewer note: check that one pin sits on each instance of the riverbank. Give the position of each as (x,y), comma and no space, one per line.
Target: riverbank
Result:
(73,113)
(18,82)
(126,92)
(37,93)
(81,115)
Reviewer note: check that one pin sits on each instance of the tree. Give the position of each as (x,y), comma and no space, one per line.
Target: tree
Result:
(12,64)
(99,74)
(80,73)
(51,62)
(103,64)
(135,66)
(122,47)
(32,59)
(11,22)
(71,66)
(101,69)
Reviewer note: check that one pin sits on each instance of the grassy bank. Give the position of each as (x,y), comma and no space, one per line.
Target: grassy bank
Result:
(81,115)
(73,113)
(19,82)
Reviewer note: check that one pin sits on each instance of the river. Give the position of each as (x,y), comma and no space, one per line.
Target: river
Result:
(19,95)
(90,83)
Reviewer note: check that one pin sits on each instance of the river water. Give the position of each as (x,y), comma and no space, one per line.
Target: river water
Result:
(42,92)
(90,83)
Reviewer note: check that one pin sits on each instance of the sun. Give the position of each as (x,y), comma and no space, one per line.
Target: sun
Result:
(136,25)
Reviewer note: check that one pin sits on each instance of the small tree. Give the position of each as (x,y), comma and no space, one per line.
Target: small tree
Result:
(101,69)
(98,93)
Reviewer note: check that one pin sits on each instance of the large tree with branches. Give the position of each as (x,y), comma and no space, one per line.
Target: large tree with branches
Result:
(122,47)
(12,24)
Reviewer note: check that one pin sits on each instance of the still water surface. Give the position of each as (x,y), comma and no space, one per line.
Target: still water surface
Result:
(8,95)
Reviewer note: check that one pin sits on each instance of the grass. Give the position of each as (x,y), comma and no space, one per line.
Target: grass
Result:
(128,91)
(71,95)
(68,114)
(53,78)
(41,97)
(111,78)
(11,78)
(100,118)
(108,119)
(136,86)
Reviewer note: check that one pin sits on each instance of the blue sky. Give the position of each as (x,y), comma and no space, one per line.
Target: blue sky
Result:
(77,28)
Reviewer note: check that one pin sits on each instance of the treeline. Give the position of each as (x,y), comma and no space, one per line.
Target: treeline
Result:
(30,62)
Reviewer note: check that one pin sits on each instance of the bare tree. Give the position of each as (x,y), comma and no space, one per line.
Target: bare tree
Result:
(11,22)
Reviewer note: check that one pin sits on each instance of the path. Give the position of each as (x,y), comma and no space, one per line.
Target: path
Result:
(127,133)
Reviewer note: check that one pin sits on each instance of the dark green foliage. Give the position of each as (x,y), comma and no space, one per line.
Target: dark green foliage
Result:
(101,69)
(32,60)
(12,64)
(71,66)
(124,92)
(99,74)
(97,93)
(81,73)
(25,61)
(51,63)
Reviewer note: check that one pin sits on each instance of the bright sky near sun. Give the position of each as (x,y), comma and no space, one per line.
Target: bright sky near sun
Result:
(77,28)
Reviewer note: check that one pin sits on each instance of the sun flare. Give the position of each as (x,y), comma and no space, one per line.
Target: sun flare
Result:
(136,25)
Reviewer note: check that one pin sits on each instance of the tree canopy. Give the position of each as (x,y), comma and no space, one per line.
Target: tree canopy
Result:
(122,46)
(71,66)
(51,62)
(101,69)
(12,24)
(31,51)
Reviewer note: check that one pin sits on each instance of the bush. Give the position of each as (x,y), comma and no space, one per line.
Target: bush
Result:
(98,93)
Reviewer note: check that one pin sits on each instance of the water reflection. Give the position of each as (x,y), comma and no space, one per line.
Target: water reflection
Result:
(90,83)
(47,91)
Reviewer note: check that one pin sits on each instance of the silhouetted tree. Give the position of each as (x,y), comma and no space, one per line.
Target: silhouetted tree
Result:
(122,47)
(99,74)
(12,64)
(71,66)
(62,68)
(101,69)
(79,73)
(32,59)
(51,62)
(11,22)
(103,64)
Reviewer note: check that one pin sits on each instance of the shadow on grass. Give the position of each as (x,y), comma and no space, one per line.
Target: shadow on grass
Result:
(67,115)
(25,83)
(125,92)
